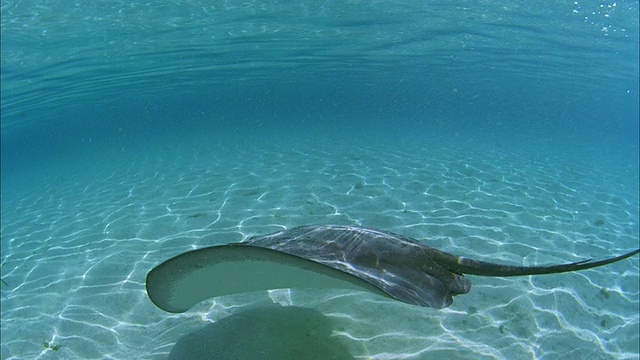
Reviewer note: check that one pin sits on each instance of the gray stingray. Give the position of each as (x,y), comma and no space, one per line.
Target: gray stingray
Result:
(330,256)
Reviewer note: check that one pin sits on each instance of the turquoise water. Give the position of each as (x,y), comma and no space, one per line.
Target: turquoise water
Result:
(133,131)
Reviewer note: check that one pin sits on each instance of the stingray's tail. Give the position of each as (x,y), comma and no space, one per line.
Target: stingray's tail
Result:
(474,267)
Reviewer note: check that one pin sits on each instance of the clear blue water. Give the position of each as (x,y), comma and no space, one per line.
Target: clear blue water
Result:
(134,131)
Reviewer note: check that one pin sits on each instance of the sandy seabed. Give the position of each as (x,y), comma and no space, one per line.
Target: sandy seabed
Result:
(79,238)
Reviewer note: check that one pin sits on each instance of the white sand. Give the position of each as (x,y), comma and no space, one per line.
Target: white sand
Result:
(79,237)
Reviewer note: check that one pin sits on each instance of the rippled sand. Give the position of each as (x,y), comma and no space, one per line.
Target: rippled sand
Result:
(79,238)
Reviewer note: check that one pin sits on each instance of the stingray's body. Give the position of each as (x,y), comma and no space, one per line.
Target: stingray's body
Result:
(404,268)
(326,256)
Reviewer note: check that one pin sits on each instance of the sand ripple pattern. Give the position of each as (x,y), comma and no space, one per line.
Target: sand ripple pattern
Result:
(77,243)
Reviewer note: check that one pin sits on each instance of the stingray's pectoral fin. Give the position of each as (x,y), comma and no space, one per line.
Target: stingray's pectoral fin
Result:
(459,285)
(435,287)
(181,282)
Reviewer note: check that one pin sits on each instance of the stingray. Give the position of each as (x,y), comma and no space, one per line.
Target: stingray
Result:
(330,256)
